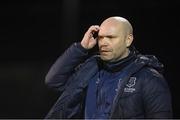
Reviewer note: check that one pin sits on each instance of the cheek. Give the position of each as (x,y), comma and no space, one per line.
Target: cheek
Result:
(118,49)
(99,43)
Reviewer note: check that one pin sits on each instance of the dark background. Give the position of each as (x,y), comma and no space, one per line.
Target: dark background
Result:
(35,32)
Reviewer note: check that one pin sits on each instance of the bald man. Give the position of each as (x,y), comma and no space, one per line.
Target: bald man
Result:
(119,82)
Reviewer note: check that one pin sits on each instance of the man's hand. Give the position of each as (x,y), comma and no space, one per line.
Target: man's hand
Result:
(88,40)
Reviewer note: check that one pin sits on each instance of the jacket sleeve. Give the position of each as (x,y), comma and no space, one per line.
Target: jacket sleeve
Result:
(65,66)
(156,96)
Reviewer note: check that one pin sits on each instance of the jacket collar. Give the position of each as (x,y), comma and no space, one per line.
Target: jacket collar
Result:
(118,65)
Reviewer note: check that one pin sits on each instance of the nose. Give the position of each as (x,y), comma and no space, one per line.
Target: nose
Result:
(103,41)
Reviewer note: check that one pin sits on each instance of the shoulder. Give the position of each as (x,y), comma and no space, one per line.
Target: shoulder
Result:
(149,72)
(90,62)
(152,80)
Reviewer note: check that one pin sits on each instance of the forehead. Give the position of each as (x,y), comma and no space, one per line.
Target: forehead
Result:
(110,28)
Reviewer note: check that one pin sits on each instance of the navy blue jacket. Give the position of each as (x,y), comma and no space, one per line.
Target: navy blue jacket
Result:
(143,92)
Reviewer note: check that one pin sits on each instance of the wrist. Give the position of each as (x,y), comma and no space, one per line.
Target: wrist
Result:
(81,47)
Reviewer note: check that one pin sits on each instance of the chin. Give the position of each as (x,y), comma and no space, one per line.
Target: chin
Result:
(105,59)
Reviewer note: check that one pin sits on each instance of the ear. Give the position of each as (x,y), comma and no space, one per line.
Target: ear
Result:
(129,40)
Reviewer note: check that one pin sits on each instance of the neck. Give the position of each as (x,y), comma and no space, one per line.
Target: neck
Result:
(115,66)
(124,55)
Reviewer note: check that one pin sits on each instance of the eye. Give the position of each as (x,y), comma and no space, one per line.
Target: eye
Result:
(100,37)
(110,36)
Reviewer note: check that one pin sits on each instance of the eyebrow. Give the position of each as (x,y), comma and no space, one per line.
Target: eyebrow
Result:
(109,36)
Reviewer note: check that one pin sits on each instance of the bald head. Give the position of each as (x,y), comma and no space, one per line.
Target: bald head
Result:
(119,23)
(114,38)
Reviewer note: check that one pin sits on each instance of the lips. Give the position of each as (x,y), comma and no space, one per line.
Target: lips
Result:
(104,52)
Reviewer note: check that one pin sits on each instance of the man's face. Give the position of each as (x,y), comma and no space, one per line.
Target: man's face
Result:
(112,42)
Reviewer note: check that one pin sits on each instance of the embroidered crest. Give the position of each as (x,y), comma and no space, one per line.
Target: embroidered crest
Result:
(130,85)
(131,82)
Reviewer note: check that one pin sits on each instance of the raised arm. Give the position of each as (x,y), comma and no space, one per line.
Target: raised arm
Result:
(65,65)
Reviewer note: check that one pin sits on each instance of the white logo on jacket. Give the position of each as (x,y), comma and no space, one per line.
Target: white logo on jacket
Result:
(130,85)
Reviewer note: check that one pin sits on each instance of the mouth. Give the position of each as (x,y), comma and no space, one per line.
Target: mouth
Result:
(104,51)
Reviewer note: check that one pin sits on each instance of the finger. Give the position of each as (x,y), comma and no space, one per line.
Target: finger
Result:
(96,27)
(93,28)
